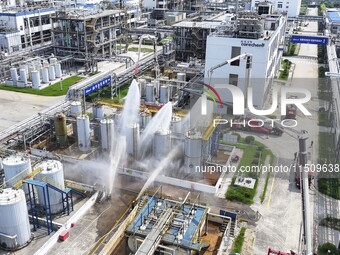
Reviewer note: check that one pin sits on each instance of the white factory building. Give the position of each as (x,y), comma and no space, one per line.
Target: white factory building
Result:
(292,7)
(24,29)
(260,36)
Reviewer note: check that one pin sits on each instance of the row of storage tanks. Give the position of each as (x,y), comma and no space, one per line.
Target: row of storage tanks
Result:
(38,72)
(160,89)
(162,141)
(15,230)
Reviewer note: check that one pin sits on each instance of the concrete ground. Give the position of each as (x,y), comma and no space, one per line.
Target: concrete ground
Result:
(98,220)
(15,107)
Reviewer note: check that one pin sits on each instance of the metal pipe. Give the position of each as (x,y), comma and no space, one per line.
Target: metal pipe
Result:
(305,192)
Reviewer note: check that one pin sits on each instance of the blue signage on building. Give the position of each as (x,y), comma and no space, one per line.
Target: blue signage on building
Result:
(309,39)
(98,85)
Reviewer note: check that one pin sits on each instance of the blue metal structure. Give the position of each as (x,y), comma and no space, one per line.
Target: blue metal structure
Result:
(67,201)
(193,215)
(306,39)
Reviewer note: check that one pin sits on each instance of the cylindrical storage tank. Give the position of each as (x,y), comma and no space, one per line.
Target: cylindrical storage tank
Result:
(192,151)
(84,133)
(45,63)
(149,92)
(35,79)
(23,76)
(16,168)
(164,94)
(161,144)
(52,172)
(58,72)
(144,119)
(14,75)
(53,61)
(61,129)
(142,87)
(106,134)
(45,76)
(132,140)
(176,125)
(51,73)
(75,109)
(98,111)
(181,76)
(30,70)
(14,220)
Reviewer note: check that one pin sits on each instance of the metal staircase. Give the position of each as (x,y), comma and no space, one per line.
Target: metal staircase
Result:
(35,208)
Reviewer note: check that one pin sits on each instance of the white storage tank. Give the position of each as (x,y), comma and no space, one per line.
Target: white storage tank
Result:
(192,150)
(14,220)
(35,79)
(181,76)
(58,72)
(132,140)
(161,144)
(164,94)
(106,134)
(16,168)
(84,133)
(45,63)
(51,73)
(23,76)
(53,61)
(75,109)
(142,87)
(176,125)
(52,172)
(149,92)
(144,119)
(45,76)
(14,75)
(98,111)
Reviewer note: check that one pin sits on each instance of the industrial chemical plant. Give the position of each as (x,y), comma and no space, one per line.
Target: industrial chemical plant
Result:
(137,154)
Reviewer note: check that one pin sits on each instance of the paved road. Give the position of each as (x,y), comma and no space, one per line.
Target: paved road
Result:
(15,107)
(280,226)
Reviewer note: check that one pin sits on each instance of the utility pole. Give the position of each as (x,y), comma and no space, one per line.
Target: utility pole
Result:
(305,193)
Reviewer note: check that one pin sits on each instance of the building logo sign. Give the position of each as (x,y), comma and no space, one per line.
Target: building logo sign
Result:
(98,85)
(252,44)
(304,39)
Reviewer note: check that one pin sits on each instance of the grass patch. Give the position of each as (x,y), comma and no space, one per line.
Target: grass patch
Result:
(331,222)
(322,53)
(326,145)
(303,9)
(144,50)
(323,249)
(106,98)
(52,90)
(323,118)
(284,73)
(328,186)
(324,92)
(237,247)
(291,50)
(254,154)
